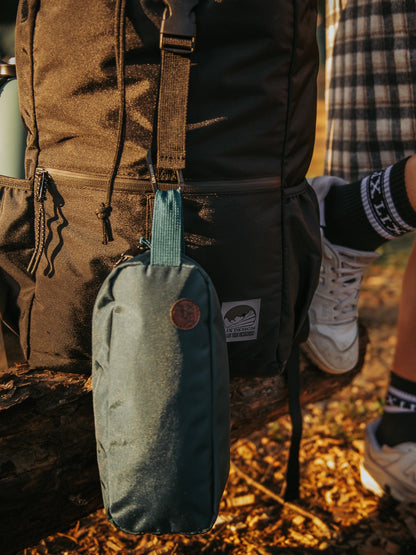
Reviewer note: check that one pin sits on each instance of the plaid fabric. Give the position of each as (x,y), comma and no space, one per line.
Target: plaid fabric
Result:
(371,84)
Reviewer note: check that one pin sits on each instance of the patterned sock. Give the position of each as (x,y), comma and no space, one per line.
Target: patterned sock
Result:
(365,214)
(398,422)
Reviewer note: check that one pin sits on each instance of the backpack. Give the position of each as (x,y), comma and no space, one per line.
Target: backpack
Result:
(88,75)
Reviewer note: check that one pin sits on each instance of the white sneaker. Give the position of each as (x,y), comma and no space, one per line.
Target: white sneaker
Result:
(333,315)
(389,469)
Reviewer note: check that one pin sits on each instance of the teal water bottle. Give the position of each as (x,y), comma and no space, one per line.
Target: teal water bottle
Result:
(12,130)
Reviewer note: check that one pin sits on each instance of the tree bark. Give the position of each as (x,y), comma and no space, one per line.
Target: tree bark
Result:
(48,472)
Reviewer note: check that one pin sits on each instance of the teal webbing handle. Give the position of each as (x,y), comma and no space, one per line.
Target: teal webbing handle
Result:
(167,229)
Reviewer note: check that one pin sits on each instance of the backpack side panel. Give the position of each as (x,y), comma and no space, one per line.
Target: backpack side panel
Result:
(16,244)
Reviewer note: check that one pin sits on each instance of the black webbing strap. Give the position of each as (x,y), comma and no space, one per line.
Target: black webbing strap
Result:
(173,102)
(177,41)
(292,473)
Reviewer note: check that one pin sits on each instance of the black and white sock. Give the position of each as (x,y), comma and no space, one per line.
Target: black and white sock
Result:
(398,422)
(365,214)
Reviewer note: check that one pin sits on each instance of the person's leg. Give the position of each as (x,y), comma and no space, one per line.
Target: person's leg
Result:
(371,211)
(370,101)
(398,423)
(390,441)
(410,180)
(356,219)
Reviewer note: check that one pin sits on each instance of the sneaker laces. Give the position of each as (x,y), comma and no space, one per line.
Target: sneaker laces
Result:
(345,283)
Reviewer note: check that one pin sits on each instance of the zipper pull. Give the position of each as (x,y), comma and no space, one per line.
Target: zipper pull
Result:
(40,187)
(41,184)
(131,253)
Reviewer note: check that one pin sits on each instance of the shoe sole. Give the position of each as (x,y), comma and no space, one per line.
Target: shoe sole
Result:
(384,484)
(310,353)
(369,483)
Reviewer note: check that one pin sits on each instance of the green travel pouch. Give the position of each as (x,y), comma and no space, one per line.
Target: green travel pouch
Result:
(161,387)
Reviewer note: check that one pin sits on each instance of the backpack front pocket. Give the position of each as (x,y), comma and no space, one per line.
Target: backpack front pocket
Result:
(234,232)
(17,240)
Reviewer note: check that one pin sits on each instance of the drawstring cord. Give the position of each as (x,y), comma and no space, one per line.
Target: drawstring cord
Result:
(103,212)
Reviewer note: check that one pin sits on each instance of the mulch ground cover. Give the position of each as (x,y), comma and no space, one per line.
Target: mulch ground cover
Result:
(335,513)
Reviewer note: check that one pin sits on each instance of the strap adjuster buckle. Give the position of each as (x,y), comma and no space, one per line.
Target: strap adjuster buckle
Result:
(178,29)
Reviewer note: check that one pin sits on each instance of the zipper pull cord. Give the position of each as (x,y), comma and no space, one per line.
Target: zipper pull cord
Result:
(104,210)
(40,186)
(103,214)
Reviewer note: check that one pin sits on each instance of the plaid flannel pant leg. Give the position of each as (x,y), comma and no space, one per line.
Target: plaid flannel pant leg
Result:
(370,85)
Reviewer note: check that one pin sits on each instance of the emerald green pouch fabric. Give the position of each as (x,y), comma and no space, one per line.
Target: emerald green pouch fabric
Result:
(160,387)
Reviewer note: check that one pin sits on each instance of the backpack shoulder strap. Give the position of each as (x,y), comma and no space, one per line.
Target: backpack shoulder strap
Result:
(177,42)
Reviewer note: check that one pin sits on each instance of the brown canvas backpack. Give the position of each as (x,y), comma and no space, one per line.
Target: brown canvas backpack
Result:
(88,76)
(100,118)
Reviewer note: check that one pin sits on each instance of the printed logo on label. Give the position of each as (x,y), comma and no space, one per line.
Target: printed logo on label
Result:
(185,314)
(241,319)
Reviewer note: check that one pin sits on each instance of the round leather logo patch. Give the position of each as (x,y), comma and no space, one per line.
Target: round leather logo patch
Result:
(185,314)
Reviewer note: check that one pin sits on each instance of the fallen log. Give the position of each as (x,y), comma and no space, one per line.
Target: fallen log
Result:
(48,472)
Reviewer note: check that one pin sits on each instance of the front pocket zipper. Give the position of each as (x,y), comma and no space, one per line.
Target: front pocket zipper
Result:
(40,187)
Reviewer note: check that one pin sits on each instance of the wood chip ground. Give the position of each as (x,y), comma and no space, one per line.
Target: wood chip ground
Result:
(335,513)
